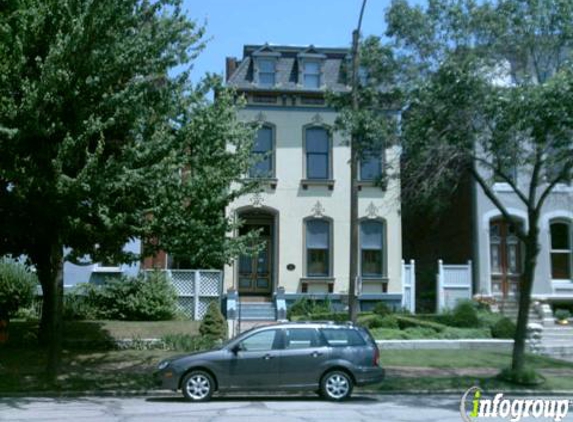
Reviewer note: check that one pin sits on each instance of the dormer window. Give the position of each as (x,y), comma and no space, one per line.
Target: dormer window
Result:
(311,74)
(266,72)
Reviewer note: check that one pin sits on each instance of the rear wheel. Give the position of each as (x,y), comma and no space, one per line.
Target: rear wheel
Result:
(197,386)
(336,386)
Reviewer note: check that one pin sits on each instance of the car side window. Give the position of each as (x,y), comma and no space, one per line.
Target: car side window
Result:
(342,337)
(301,338)
(260,342)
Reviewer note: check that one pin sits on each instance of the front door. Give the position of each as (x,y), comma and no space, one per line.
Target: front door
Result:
(506,265)
(255,271)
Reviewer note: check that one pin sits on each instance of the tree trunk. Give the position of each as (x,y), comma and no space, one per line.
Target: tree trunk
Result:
(50,273)
(531,252)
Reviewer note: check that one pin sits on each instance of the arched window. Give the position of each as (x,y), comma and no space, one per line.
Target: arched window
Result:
(561,250)
(372,249)
(317,148)
(318,247)
(263,149)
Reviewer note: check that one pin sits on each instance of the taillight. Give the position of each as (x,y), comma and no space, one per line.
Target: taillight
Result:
(376,356)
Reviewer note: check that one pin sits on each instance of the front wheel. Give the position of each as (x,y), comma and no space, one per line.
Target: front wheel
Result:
(197,386)
(336,386)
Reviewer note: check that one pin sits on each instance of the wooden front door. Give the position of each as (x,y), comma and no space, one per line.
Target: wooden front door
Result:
(505,259)
(255,271)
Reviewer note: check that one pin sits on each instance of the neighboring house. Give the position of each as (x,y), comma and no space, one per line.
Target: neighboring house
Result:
(499,253)
(304,208)
(97,272)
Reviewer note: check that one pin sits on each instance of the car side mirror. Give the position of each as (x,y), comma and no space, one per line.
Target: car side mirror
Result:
(236,348)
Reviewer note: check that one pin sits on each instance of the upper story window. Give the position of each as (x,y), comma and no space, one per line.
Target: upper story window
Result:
(317,149)
(263,150)
(561,250)
(311,74)
(266,72)
(371,166)
(372,249)
(318,245)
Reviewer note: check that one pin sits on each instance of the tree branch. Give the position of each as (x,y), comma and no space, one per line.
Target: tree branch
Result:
(493,198)
(505,178)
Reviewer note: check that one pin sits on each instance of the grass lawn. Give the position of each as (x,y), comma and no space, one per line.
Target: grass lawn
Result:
(23,332)
(438,370)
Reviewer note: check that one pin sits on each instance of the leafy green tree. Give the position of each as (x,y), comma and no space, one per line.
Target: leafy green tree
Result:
(95,103)
(488,89)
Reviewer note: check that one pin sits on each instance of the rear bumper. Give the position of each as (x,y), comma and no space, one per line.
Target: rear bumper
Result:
(367,376)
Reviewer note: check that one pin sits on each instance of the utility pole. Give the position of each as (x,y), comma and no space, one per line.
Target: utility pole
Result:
(353,276)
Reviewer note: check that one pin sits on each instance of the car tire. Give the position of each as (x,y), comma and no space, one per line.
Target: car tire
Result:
(198,386)
(336,386)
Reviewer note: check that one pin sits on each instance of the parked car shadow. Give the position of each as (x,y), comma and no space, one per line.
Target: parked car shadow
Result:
(263,397)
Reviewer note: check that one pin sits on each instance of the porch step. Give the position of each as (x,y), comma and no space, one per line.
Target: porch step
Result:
(257,311)
(247,325)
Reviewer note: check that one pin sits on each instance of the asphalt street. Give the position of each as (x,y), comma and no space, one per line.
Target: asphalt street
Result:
(443,408)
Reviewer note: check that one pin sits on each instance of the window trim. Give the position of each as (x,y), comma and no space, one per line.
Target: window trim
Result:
(258,70)
(382,221)
(569,224)
(272,175)
(329,276)
(329,179)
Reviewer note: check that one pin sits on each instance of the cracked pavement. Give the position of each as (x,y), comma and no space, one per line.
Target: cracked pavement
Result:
(361,407)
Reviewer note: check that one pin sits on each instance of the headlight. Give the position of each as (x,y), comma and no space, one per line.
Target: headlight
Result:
(162,365)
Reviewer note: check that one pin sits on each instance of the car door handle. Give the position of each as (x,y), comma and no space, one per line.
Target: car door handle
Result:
(316,354)
(268,356)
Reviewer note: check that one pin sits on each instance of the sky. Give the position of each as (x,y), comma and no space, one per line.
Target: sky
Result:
(230,24)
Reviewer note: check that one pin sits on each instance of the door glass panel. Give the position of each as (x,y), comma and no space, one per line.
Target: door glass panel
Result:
(495,255)
(245,283)
(262,283)
(245,264)
(301,338)
(259,342)
(263,260)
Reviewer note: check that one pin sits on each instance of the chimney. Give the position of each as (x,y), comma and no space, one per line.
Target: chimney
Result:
(230,67)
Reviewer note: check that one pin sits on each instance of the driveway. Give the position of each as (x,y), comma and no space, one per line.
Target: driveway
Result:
(370,408)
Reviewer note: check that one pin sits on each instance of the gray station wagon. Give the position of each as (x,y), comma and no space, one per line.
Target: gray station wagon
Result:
(323,357)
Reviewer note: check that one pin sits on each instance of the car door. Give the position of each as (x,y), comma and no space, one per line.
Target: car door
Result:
(253,362)
(303,357)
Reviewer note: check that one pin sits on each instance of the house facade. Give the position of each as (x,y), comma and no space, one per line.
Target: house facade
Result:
(500,254)
(303,209)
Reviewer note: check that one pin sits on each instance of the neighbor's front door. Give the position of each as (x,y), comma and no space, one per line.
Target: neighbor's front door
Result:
(506,265)
(255,271)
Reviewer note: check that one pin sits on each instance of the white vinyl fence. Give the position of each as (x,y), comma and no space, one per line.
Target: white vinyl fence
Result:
(196,289)
(409,286)
(454,283)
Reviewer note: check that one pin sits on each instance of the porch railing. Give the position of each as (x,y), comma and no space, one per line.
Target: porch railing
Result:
(409,286)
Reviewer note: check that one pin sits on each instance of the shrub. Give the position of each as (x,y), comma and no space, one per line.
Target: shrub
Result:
(141,298)
(306,306)
(413,333)
(187,343)
(327,316)
(410,322)
(562,314)
(452,333)
(370,321)
(504,328)
(524,377)
(488,319)
(382,309)
(17,287)
(465,315)
(80,303)
(213,325)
